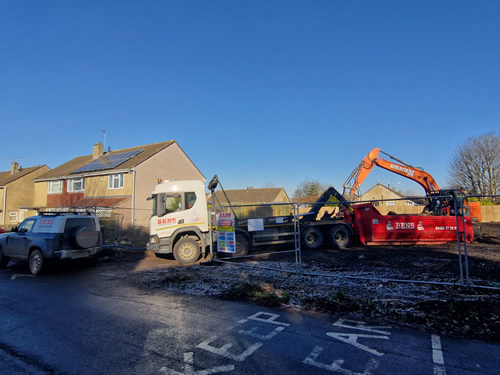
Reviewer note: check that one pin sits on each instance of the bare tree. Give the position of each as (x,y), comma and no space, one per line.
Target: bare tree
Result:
(475,165)
(308,191)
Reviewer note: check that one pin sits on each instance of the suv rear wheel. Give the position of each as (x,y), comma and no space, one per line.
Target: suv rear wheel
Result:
(36,262)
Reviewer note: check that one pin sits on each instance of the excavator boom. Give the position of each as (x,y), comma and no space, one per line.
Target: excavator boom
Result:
(372,159)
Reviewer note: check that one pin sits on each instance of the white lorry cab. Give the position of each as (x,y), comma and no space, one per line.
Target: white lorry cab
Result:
(180,221)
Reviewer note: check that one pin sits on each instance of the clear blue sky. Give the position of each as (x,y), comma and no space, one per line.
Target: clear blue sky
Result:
(266,92)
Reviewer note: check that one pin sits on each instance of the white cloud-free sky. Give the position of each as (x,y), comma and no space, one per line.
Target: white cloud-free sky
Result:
(258,92)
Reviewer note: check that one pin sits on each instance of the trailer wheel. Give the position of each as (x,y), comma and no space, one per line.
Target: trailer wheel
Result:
(340,237)
(241,246)
(312,238)
(186,251)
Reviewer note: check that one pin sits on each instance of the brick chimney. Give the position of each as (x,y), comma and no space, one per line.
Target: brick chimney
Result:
(14,168)
(98,150)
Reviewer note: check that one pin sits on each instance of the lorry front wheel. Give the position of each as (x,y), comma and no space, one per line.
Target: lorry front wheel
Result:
(35,262)
(312,238)
(186,251)
(340,237)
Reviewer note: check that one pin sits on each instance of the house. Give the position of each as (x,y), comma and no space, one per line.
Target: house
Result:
(16,193)
(256,202)
(114,184)
(387,199)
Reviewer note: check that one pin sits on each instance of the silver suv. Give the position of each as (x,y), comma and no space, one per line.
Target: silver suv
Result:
(52,236)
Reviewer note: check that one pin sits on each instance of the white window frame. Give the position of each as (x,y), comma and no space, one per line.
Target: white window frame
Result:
(55,187)
(76,185)
(21,214)
(13,217)
(390,204)
(115,181)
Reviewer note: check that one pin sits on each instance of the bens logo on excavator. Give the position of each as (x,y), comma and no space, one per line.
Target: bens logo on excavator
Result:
(408,171)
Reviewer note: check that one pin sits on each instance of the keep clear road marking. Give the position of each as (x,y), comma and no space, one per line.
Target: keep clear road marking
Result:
(352,339)
(437,356)
(224,350)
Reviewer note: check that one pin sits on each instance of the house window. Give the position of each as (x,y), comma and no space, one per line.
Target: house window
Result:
(55,187)
(390,203)
(76,185)
(13,217)
(115,181)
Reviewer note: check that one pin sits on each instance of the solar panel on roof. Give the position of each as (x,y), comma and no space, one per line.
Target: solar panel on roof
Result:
(107,161)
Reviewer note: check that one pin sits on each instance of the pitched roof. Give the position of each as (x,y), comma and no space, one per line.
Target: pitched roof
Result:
(68,169)
(267,195)
(7,177)
(386,188)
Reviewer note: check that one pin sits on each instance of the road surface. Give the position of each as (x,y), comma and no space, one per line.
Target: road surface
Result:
(90,320)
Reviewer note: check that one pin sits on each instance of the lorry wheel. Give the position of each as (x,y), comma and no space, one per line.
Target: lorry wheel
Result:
(241,246)
(312,238)
(340,237)
(186,251)
(35,262)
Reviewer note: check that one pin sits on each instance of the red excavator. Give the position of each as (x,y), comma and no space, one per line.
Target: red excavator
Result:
(441,202)
(437,224)
(406,170)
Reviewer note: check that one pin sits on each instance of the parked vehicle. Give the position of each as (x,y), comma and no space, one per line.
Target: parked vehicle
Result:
(50,235)
(180,224)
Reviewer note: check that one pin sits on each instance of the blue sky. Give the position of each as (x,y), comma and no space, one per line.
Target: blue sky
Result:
(258,92)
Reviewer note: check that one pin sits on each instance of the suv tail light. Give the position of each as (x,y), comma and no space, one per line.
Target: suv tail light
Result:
(58,242)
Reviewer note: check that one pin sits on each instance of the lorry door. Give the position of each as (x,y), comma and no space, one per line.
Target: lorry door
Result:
(177,210)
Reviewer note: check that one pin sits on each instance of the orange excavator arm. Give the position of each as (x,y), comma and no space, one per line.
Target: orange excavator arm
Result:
(372,159)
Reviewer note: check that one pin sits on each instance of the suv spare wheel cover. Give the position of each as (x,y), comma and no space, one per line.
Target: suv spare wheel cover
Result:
(85,237)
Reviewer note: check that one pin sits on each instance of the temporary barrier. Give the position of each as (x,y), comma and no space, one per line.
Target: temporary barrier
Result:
(248,232)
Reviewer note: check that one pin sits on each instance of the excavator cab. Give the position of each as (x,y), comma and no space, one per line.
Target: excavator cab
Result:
(448,202)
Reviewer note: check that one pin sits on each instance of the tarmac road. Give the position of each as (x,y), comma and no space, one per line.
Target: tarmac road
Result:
(89,320)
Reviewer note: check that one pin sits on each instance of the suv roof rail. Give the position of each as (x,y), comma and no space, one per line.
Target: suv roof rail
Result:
(58,213)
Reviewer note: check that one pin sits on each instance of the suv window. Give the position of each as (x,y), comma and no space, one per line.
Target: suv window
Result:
(26,226)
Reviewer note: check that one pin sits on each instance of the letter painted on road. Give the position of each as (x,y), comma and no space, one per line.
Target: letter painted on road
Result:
(223,351)
(336,365)
(189,369)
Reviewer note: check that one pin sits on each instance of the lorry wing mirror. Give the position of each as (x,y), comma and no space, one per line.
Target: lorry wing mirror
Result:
(213,183)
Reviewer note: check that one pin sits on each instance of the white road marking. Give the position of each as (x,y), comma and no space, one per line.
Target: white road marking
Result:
(361,326)
(16,275)
(271,319)
(223,351)
(437,356)
(352,339)
(189,369)
(269,336)
(336,365)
